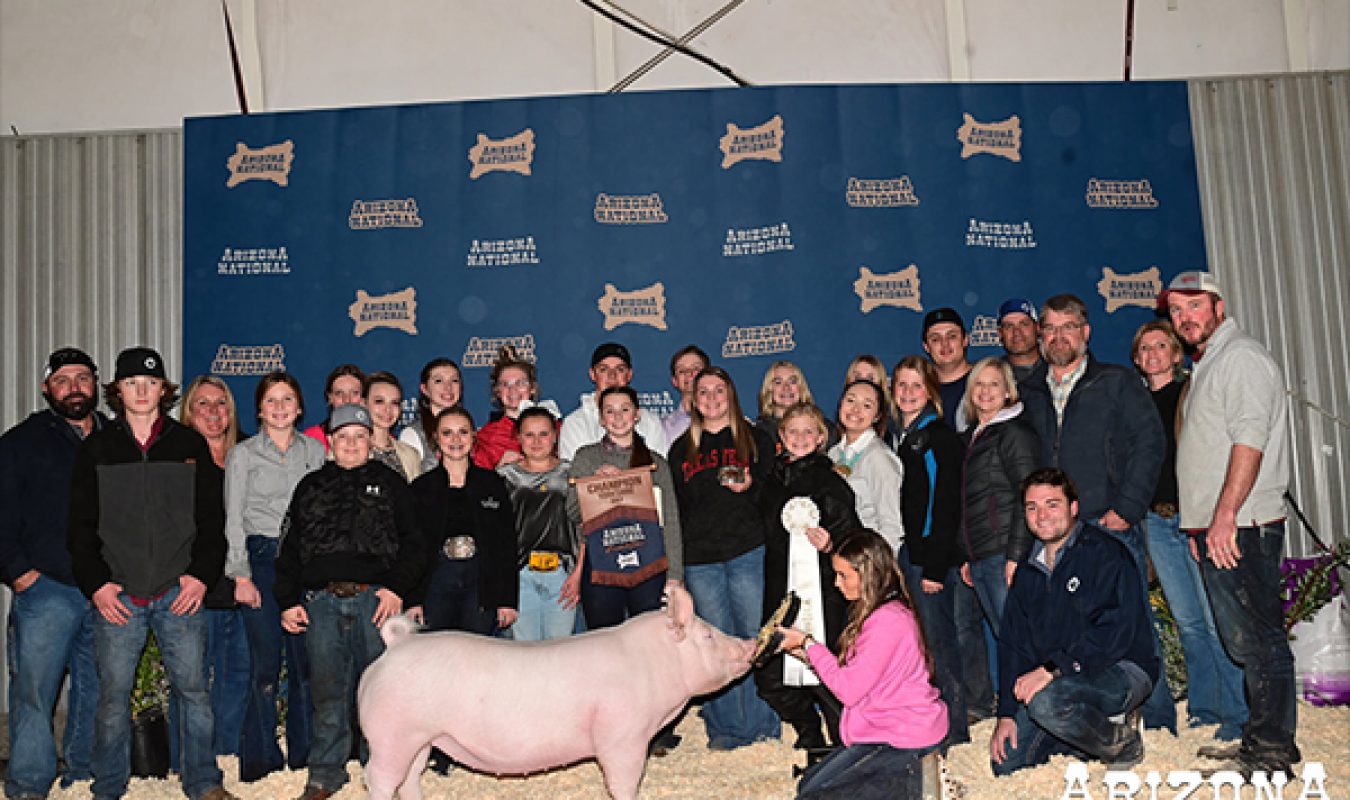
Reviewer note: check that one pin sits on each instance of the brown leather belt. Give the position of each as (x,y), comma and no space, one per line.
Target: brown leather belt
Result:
(346,588)
(1164,510)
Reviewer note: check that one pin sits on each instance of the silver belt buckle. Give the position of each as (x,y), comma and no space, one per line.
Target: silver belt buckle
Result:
(458,548)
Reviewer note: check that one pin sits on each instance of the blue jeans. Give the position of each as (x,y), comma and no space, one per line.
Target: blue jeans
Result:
(991,587)
(53,631)
(1213,681)
(976,674)
(269,644)
(1159,711)
(451,601)
(227,673)
(343,639)
(937,612)
(1071,715)
(866,772)
(117,650)
(607,606)
(541,617)
(1250,619)
(729,595)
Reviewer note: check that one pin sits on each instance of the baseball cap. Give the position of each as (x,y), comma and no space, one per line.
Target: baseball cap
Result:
(1192,282)
(65,357)
(349,414)
(611,350)
(136,361)
(1017,305)
(940,315)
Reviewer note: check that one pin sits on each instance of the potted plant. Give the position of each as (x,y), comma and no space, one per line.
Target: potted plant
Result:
(149,715)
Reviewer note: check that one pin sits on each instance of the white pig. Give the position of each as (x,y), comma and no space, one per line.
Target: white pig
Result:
(513,708)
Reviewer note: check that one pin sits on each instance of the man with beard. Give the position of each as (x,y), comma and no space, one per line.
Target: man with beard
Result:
(53,626)
(1232,472)
(1097,423)
(1019,332)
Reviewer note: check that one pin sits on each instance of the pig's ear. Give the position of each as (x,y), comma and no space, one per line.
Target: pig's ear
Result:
(680,610)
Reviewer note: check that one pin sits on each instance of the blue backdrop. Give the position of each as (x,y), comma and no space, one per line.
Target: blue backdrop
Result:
(805,223)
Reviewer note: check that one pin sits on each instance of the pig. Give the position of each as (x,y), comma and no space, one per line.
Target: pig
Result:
(514,708)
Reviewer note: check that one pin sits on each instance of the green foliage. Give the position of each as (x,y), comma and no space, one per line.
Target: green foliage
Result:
(151,689)
(1174,662)
(1307,592)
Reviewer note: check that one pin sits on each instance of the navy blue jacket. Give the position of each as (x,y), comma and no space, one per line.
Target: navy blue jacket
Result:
(1111,443)
(1085,615)
(37,457)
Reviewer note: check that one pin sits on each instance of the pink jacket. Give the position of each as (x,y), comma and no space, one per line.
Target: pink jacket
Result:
(884,686)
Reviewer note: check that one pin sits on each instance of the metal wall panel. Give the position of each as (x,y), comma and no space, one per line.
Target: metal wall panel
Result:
(90,252)
(1273,155)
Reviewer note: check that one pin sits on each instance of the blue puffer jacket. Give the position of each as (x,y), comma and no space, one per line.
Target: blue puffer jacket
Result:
(1111,443)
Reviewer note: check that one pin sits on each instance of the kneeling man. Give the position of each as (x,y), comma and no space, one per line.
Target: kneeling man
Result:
(1075,649)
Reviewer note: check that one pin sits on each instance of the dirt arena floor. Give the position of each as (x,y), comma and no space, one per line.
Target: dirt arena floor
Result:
(765,771)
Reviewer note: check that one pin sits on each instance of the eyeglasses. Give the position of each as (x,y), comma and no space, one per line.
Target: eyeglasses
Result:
(1067,328)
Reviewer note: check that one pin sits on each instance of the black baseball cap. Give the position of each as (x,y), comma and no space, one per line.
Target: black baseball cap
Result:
(68,356)
(611,350)
(940,315)
(136,361)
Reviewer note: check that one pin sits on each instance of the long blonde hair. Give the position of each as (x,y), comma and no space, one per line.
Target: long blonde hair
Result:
(766,408)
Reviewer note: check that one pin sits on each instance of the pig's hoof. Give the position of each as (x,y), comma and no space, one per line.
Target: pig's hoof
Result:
(663,744)
(440,763)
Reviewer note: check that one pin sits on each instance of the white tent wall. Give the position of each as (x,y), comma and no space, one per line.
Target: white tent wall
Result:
(78,65)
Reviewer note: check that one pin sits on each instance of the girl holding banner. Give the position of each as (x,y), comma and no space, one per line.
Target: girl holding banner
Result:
(722,466)
(808,509)
(623,499)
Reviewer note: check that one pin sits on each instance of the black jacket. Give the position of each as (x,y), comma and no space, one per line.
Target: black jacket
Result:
(37,457)
(992,519)
(493,528)
(930,498)
(350,525)
(717,523)
(812,477)
(1085,615)
(144,519)
(1111,442)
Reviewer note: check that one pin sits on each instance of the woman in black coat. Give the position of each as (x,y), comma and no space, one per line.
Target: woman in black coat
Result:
(801,470)
(1001,450)
(464,513)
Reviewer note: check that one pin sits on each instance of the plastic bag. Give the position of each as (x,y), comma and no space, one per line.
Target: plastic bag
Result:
(1322,655)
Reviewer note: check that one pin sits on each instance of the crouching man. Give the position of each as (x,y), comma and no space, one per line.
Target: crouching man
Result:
(1076,651)
(349,560)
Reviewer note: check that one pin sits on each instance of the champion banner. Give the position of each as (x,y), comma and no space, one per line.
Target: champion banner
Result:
(621,527)
(805,223)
